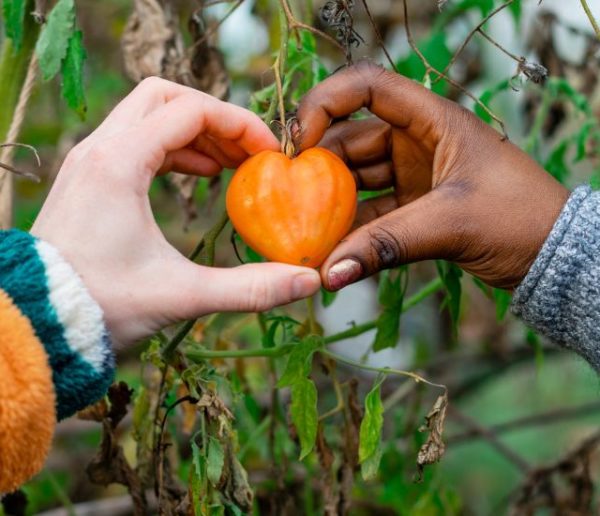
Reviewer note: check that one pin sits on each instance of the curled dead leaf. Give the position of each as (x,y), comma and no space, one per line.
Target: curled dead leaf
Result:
(433,448)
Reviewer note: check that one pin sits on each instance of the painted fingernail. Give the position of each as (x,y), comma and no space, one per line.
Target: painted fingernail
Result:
(304,285)
(343,273)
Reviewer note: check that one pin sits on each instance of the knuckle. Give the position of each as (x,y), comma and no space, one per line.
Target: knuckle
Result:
(389,247)
(150,83)
(259,296)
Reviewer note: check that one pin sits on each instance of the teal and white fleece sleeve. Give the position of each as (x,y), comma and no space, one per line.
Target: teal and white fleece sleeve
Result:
(65,318)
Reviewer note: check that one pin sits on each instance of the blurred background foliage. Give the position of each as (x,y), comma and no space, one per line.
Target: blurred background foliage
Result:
(497,372)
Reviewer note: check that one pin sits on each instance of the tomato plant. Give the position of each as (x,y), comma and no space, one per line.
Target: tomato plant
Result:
(312,408)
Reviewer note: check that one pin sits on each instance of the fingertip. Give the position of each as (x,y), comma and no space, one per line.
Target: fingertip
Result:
(341,273)
(305,284)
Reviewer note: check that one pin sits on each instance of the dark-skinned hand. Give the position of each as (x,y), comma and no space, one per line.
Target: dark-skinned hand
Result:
(460,191)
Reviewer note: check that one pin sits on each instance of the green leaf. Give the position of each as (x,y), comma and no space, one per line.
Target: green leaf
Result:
(391,296)
(487,291)
(502,298)
(300,361)
(487,96)
(388,330)
(438,54)
(372,422)
(451,275)
(582,138)
(369,447)
(556,162)
(370,467)
(516,9)
(14,21)
(534,341)
(72,74)
(304,414)
(51,46)
(327,298)
(595,180)
(215,460)
(268,340)
(562,88)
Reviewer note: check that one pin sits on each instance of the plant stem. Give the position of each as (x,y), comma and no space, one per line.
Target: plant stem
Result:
(207,354)
(590,16)
(13,70)
(207,247)
(312,319)
(198,355)
(207,251)
(386,370)
(428,289)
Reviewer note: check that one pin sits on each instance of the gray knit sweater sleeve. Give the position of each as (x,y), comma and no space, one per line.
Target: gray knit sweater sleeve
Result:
(560,296)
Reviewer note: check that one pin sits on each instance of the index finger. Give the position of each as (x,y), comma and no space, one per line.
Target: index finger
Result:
(392,97)
(179,122)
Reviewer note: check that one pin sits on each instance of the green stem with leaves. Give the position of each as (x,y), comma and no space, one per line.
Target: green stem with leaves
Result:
(198,355)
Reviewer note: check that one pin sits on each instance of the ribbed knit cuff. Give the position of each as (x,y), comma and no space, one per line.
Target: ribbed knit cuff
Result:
(560,296)
(66,319)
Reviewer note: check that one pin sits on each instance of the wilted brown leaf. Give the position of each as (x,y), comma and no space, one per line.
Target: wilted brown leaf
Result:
(110,465)
(433,449)
(153,45)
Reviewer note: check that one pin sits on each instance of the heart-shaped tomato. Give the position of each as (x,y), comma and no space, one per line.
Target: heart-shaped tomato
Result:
(292,210)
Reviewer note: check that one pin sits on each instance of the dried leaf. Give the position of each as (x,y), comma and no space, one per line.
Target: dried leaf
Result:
(188,410)
(119,395)
(110,466)
(96,412)
(185,185)
(433,449)
(146,40)
(352,418)
(236,489)
(328,492)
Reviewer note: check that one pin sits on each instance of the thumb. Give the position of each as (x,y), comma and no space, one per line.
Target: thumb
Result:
(420,230)
(248,288)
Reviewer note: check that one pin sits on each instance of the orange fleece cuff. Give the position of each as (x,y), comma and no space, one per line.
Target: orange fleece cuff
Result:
(27,399)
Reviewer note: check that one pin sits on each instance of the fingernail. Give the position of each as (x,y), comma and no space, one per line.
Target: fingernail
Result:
(304,285)
(343,273)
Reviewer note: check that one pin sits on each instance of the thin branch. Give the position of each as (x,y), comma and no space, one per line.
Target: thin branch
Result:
(294,25)
(385,370)
(470,36)
(500,47)
(379,36)
(22,173)
(590,16)
(545,418)
(430,69)
(492,438)
(213,28)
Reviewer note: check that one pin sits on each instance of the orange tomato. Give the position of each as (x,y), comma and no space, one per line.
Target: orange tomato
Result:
(292,210)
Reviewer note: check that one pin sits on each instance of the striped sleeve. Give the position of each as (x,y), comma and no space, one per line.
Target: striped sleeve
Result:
(65,318)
